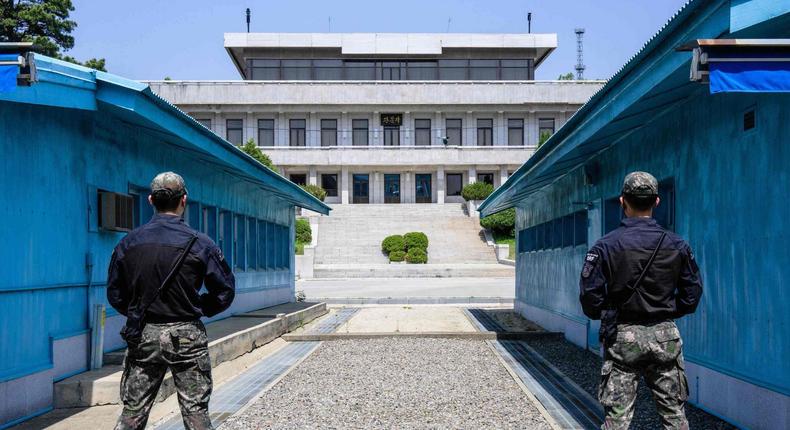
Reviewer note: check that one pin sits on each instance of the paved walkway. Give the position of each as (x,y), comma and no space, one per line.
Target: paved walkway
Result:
(395,287)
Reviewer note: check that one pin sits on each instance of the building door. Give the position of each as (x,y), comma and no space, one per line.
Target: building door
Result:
(595,225)
(422,187)
(391,188)
(361,189)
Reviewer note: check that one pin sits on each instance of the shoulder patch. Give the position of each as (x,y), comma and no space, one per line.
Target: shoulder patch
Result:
(590,260)
(591,257)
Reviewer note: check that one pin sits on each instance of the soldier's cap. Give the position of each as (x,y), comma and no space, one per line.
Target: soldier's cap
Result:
(640,184)
(168,186)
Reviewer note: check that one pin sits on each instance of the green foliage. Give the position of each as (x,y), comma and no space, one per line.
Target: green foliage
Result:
(315,190)
(503,222)
(393,243)
(46,23)
(477,191)
(544,136)
(251,149)
(304,234)
(416,256)
(397,256)
(566,77)
(416,239)
(168,78)
(298,248)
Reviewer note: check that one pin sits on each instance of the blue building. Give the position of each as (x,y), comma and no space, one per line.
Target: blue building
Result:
(79,148)
(718,143)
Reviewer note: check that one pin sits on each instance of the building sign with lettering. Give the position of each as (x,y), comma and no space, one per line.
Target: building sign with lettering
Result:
(391,119)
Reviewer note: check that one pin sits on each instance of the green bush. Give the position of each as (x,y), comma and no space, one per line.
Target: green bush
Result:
(304,234)
(393,243)
(253,151)
(477,191)
(397,256)
(416,256)
(416,239)
(315,190)
(503,222)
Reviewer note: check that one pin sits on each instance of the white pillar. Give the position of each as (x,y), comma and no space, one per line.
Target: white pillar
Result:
(440,185)
(375,125)
(406,130)
(500,129)
(502,175)
(440,132)
(313,135)
(249,129)
(219,125)
(344,185)
(470,130)
(531,128)
(407,189)
(345,126)
(280,130)
(472,176)
(312,176)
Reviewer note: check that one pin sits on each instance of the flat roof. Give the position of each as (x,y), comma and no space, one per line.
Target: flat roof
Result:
(429,44)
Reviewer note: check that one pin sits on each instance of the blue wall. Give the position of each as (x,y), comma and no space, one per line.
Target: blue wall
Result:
(731,206)
(53,162)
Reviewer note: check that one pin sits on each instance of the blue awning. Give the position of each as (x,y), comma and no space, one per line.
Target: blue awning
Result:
(8,73)
(749,76)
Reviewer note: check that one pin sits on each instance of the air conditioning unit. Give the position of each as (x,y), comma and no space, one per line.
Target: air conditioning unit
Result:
(115,211)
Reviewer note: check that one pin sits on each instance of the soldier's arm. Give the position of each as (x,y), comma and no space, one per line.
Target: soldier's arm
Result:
(220,283)
(592,285)
(117,290)
(689,284)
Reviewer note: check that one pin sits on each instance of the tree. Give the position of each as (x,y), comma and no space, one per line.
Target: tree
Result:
(251,149)
(566,77)
(46,23)
(544,136)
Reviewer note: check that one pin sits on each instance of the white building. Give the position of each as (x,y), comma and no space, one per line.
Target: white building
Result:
(382,117)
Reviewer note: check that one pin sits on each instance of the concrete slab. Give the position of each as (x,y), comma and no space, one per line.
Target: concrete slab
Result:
(407,319)
(407,287)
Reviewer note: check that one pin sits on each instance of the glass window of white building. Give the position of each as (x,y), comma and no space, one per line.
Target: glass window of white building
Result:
(329,183)
(206,122)
(515,132)
(545,129)
(328,70)
(422,132)
(234,131)
(297,132)
(359,133)
(265,132)
(328,132)
(296,70)
(454,132)
(485,132)
(391,136)
(454,184)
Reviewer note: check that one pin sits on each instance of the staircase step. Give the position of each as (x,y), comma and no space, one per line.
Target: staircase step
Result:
(463,270)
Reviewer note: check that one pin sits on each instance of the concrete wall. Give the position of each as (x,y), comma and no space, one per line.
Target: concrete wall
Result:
(737,341)
(54,161)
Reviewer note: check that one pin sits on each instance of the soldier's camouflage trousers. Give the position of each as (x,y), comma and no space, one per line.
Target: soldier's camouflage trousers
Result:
(183,348)
(655,352)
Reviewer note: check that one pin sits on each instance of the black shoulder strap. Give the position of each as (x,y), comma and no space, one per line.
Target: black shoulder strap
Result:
(173,270)
(648,264)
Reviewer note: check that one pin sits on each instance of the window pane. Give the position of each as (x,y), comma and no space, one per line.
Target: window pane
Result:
(298,178)
(485,132)
(360,70)
(453,70)
(297,132)
(328,132)
(328,70)
(515,70)
(252,243)
(515,132)
(483,70)
(423,71)
(454,184)
(265,132)
(391,136)
(296,70)
(234,131)
(329,183)
(422,132)
(488,178)
(454,132)
(359,134)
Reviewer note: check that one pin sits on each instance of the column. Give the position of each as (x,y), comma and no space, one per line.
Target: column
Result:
(500,129)
(377,189)
(531,129)
(440,185)
(219,125)
(472,175)
(407,189)
(344,186)
(312,138)
(312,176)
(345,126)
(502,175)
(407,130)
(249,128)
(438,126)
(375,125)
(281,130)
(470,130)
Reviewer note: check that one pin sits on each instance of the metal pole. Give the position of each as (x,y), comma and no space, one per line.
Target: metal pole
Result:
(97,336)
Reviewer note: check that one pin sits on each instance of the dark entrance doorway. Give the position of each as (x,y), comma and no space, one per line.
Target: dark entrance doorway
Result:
(391,188)
(361,189)
(422,188)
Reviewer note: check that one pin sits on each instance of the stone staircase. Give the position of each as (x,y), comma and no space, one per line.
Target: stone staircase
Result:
(349,242)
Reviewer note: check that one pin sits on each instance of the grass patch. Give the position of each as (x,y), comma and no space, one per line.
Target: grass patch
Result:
(501,239)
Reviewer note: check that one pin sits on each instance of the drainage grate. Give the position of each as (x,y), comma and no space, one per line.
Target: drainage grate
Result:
(485,322)
(331,323)
(231,396)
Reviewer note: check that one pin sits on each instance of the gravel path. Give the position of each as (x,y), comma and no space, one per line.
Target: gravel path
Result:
(395,383)
(583,367)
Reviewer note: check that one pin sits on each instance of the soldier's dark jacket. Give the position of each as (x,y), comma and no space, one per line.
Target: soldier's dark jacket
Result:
(671,288)
(145,256)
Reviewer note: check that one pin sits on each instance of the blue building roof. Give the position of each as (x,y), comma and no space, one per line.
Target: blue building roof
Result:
(652,82)
(67,85)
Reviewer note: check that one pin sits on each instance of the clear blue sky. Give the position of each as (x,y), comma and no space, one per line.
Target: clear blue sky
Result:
(151,39)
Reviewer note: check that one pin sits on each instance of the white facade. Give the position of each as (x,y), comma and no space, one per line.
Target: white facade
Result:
(493,125)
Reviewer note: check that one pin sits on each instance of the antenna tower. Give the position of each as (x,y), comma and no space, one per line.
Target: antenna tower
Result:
(579,54)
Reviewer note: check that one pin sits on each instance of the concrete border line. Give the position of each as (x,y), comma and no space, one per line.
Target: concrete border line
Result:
(418,300)
(265,389)
(534,400)
(471,335)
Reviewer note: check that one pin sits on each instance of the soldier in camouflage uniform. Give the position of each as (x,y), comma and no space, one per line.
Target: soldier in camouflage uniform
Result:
(169,308)
(637,280)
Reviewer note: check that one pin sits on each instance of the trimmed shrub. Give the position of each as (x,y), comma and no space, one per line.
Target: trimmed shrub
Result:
(503,222)
(304,234)
(397,256)
(315,190)
(477,191)
(393,243)
(416,256)
(416,239)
